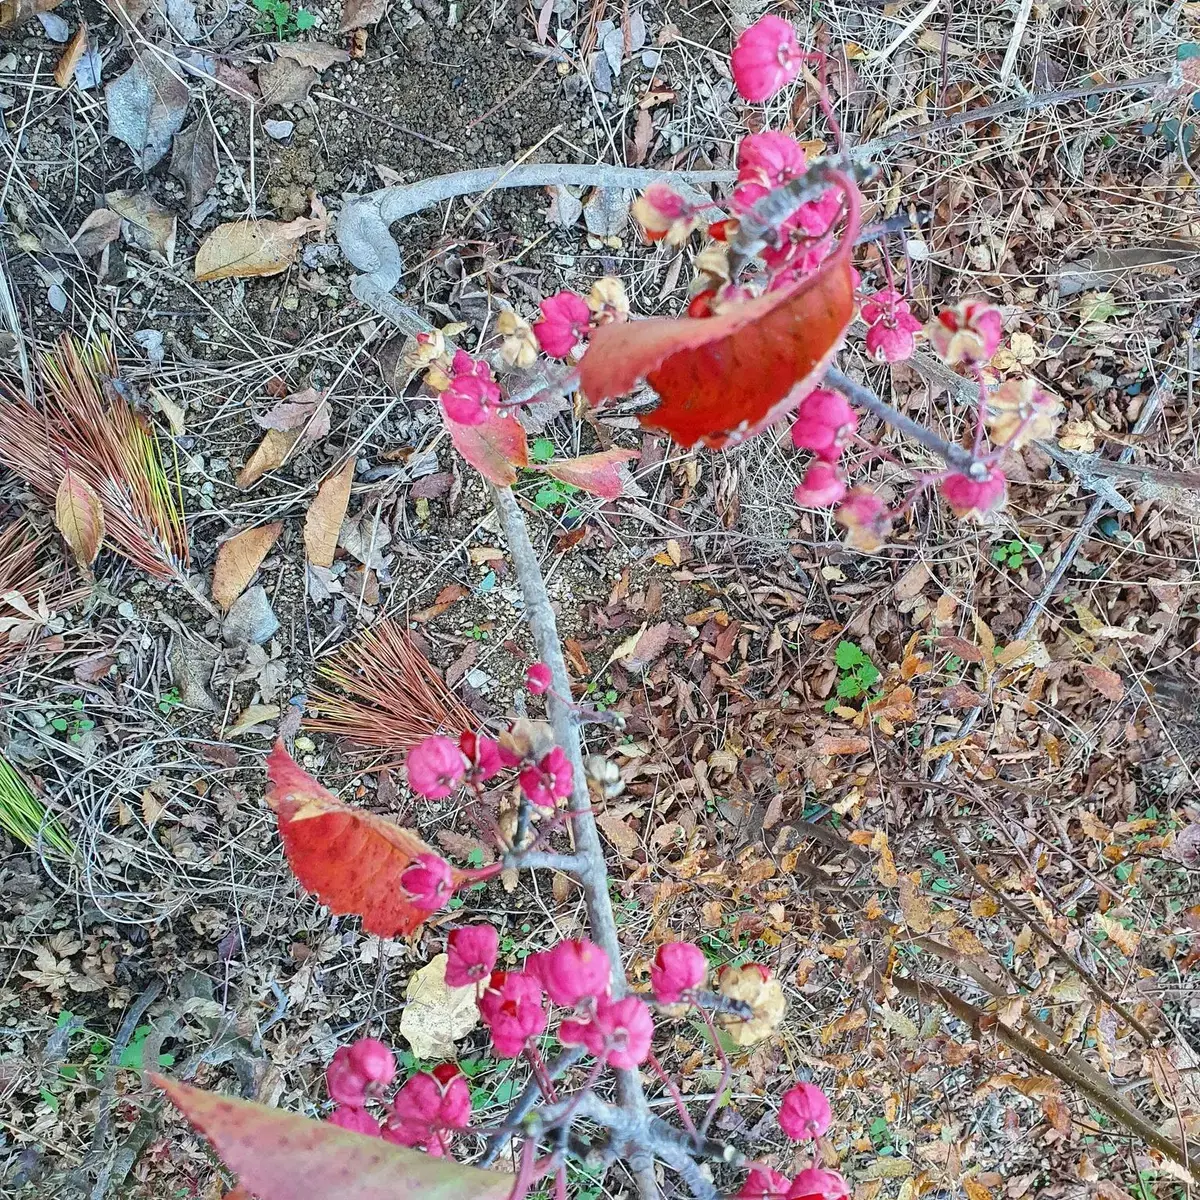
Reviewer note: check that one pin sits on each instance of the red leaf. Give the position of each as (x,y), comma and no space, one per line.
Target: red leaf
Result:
(495,449)
(721,379)
(602,473)
(279,1155)
(349,859)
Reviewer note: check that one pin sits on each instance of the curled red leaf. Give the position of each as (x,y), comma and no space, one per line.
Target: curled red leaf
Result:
(721,379)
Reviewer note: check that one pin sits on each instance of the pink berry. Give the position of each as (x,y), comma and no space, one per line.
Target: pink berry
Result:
(428,882)
(469,400)
(346,1084)
(549,781)
(824,423)
(973,497)
(764,1184)
(427,1105)
(679,969)
(571,971)
(471,954)
(373,1061)
(765,59)
(357,1120)
(565,319)
(821,486)
(804,1113)
(816,1184)
(435,767)
(627,1028)
(538,678)
(483,756)
(512,1009)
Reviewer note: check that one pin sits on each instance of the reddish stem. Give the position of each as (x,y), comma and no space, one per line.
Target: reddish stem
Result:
(676,1095)
(726,1074)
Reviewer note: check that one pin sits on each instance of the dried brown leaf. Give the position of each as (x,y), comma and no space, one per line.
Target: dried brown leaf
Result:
(323,521)
(64,71)
(285,81)
(238,559)
(358,14)
(269,454)
(79,517)
(246,249)
(317,55)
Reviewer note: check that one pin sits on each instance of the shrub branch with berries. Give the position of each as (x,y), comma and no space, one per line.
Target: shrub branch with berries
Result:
(775,295)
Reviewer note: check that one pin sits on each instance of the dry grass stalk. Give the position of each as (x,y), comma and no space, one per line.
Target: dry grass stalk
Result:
(389,697)
(83,424)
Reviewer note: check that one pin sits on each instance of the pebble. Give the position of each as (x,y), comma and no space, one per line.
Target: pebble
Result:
(251,620)
(279,130)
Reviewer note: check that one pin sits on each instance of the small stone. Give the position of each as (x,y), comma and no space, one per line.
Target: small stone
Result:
(305,744)
(251,620)
(279,130)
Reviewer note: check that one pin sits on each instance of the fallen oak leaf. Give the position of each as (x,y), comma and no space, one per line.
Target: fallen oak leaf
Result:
(350,860)
(307,410)
(238,559)
(604,474)
(436,1015)
(249,249)
(721,379)
(323,521)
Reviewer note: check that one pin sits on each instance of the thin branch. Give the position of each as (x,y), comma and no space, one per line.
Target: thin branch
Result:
(1021,104)
(1073,1072)
(1150,409)
(593,873)
(524,1104)
(1079,968)
(953,455)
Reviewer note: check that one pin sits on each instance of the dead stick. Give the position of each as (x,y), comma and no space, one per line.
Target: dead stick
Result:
(1007,903)
(1095,511)
(1072,1071)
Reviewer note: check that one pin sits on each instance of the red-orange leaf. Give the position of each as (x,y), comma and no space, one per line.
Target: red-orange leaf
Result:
(279,1155)
(603,473)
(349,859)
(720,379)
(495,449)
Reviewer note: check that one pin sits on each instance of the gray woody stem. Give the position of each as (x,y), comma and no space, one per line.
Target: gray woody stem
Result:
(591,872)
(953,455)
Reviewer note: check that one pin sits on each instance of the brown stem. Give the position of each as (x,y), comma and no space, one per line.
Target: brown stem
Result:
(1072,1071)
(1082,971)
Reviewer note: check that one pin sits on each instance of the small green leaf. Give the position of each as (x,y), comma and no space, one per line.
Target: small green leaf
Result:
(304,20)
(547,497)
(849,687)
(867,675)
(848,655)
(542,450)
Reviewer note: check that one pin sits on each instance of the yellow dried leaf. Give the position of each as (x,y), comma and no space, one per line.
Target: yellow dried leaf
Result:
(984,906)
(885,868)
(975,1190)
(238,559)
(437,1015)
(323,521)
(244,249)
(918,915)
(79,517)
(1125,940)
(271,453)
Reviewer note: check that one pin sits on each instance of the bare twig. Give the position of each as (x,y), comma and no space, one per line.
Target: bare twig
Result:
(1150,409)
(1073,1071)
(592,872)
